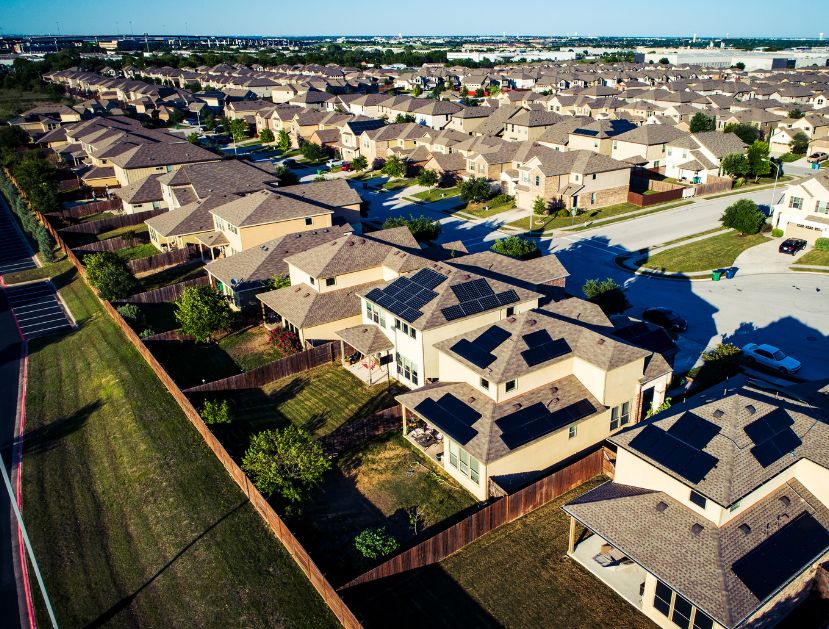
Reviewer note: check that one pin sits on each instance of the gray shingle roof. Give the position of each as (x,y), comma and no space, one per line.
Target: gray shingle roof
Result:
(305,307)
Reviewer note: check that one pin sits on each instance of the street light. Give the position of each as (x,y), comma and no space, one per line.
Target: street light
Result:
(776,175)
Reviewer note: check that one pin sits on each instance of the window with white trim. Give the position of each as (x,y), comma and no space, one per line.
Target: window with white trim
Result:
(572,432)
(376,314)
(620,415)
(510,386)
(796,202)
(406,368)
(464,462)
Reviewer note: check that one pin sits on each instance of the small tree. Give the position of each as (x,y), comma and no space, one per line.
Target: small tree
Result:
(417,91)
(744,216)
(427,178)
(283,140)
(423,228)
(215,412)
(475,190)
(748,133)
(109,274)
(202,311)
(286,175)
(517,247)
(286,463)
(740,66)
(266,135)
(540,206)
(238,129)
(394,167)
(735,164)
(278,281)
(664,61)
(606,294)
(796,113)
(131,313)
(359,163)
(479,93)
(404,118)
(701,122)
(375,543)
(758,159)
(193,138)
(800,143)
(313,152)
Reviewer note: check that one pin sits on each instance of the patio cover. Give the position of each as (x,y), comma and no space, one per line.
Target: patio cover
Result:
(366,339)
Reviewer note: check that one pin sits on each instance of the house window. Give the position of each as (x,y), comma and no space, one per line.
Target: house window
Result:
(311,280)
(510,386)
(681,616)
(412,332)
(702,621)
(537,180)
(309,220)
(592,198)
(594,175)
(464,462)
(698,499)
(662,598)
(734,507)
(525,177)
(822,207)
(620,415)
(510,311)
(485,384)
(573,432)
(376,314)
(406,368)
(615,145)
(796,202)
(330,281)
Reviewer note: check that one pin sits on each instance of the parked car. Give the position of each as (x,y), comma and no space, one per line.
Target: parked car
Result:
(665,318)
(771,357)
(334,162)
(290,162)
(792,246)
(346,166)
(817,158)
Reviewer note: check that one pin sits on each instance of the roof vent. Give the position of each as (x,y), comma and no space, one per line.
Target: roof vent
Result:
(531,321)
(745,529)
(297,289)
(751,410)
(553,390)
(785,500)
(696,529)
(470,399)
(511,319)
(554,401)
(350,243)
(718,413)
(516,406)
(661,506)
(600,341)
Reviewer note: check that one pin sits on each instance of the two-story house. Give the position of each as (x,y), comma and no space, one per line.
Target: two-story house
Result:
(648,144)
(698,156)
(803,210)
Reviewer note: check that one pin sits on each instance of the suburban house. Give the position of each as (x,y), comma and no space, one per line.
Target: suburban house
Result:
(140,196)
(143,160)
(190,224)
(193,182)
(698,156)
(382,142)
(718,514)
(646,145)
(597,136)
(527,391)
(529,125)
(803,210)
(43,118)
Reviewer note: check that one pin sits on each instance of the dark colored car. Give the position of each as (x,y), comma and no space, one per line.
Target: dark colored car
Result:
(792,245)
(665,318)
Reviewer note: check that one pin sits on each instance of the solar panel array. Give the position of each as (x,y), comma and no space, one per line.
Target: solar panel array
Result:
(477,296)
(405,296)
(479,351)
(536,420)
(542,347)
(773,437)
(667,449)
(453,416)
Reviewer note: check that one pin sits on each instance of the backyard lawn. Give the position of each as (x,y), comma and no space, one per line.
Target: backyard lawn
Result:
(516,576)
(436,194)
(138,251)
(134,522)
(250,347)
(381,484)
(814,257)
(172,275)
(702,255)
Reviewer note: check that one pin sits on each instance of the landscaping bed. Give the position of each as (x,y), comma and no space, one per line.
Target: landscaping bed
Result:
(488,208)
(711,253)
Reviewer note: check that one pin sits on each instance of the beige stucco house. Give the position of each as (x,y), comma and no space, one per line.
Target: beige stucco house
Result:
(803,210)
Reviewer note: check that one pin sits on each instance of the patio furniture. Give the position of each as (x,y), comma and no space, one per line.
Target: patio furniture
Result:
(353,358)
(612,559)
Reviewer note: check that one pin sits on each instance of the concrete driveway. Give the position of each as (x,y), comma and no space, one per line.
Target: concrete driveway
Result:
(764,258)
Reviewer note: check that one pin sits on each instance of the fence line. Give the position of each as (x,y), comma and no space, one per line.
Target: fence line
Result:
(337,606)
(111,222)
(718,184)
(282,368)
(360,430)
(498,513)
(112,244)
(159,261)
(643,200)
(165,293)
(88,209)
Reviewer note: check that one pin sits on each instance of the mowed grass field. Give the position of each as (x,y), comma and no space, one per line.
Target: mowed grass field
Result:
(134,522)
(711,253)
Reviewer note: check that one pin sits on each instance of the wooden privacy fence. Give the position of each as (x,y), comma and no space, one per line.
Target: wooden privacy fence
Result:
(340,610)
(714,185)
(165,293)
(360,430)
(112,244)
(111,222)
(500,512)
(88,209)
(159,261)
(282,368)
(643,200)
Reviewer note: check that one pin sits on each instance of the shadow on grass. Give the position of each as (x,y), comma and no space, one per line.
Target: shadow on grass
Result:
(125,602)
(47,437)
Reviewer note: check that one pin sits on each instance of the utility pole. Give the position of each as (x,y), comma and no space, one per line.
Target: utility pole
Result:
(27,543)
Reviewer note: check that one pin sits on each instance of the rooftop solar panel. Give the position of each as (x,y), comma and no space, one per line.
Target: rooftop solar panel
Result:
(536,420)
(451,415)
(694,430)
(507,297)
(767,426)
(683,459)
(491,338)
(773,437)
(428,278)
(373,294)
(452,312)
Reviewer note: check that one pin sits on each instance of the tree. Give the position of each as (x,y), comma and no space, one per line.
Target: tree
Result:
(540,206)
(494,89)
(422,228)
(394,167)
(744,216)
(285,175)
(215,412)
(313,152)
(131,313)
(359,163)
(278,281)
(375,543)
(427,178)
(740,66)
(796,113)
(479,93)
(748,133)
(475,190)
(606,294)
(758,159)
(464,90)
(109,274)
(238,129)
(283,140)
(664,61)
(517,247)
(286,463)
(403,118)
(193,138)
(800,143)
(266,135)
(701,122)
(201,311)
(735,164)
(417,91)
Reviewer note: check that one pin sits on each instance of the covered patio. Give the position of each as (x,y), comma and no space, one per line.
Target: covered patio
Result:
(366,352)
(424,437)
(215,243)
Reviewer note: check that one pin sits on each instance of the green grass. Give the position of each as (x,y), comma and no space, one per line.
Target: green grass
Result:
(814,257)
(398,184)
(94,217)
(545,223)
(14,102)
(138,251)
(190,363)
(134,522)
(516,576)
(702,255)
(172,275)
(623,217)
(120,231)
(376,485)
(697,235)
(486,209)
(49,269)
(250,347)
(436,194)
(790,157)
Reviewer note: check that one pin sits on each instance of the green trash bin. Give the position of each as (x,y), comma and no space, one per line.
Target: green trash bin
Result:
(716,275)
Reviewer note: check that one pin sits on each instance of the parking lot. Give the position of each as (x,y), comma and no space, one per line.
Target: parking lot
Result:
(36,309)
(15,254)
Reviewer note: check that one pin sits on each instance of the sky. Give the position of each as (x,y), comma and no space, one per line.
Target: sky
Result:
(714,18)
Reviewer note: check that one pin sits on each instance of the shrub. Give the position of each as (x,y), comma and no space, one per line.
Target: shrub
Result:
(540,206)
(283,142)
(821,244)
(285,342)
(394,167)
(215,412)
(193,138)
(777,233)
(517,247)
(266,135)
(147,333)
(375,543)
(422,227)
(286,175)
(500,199)
(313,152)
(724,353)
(109,274)
(475,190)
(359,163)
(606,294)
(744,216)
(131,313)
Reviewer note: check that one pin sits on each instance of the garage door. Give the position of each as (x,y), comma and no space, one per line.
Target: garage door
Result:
(795,230)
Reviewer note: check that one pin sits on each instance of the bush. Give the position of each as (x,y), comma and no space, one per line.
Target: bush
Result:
(359,163)
(606,294)
(147,333)
(285,342)
(286,176)
(427,178)
(500,199)
(215,412)
(131,313)
(821,244)
(517,247)
(266,135)
(744,216)
(394,167)
(109,274)
(201,311)
(375,543)
(423,228)
(313,152)
(777,233)
(475,190)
